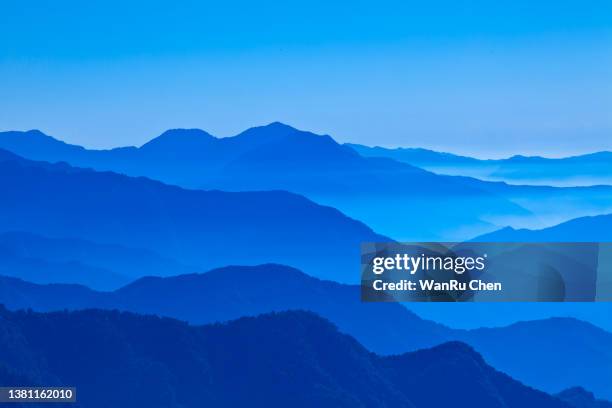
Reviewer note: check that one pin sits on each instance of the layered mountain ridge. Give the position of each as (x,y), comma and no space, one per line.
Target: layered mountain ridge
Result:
(148,361)
(193,227)
(586,169)
(279,157)
(527,351)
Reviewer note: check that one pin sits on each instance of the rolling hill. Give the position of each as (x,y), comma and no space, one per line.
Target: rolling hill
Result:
(41,259)
(584,229)
(578,397)
(586,349)
(298,359)
(587,169)
(232,292)
(194,227)
(385,328)
(379,192)
(394,198)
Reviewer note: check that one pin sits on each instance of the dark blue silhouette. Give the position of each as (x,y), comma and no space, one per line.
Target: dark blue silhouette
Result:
(527,351)
(289,359)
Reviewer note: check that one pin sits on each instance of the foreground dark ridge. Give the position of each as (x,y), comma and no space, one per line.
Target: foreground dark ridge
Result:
(275,360)
(385,328)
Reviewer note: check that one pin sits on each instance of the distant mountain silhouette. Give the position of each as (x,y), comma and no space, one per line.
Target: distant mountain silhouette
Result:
(376,190)
(36,145)
(385,328)
(17,293)
(584,229)
(578,397)
(415,156)
(205,228)
(42,271)
(288,359)
(446,378)
(586,351)
(180,142)
(63,260)
(587,169)
(279,157)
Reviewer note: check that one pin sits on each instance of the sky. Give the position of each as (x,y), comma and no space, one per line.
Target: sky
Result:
(482,78)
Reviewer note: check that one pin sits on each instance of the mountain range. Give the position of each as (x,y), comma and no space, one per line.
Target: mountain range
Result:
(377,191)
(527,351)
(279,157)
(584,229)
(274,360)
(41,259)
(193,227)
(578,397)
(70,217)
(587,169)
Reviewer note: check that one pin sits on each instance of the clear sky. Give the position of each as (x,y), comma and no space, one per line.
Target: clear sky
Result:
(487,78)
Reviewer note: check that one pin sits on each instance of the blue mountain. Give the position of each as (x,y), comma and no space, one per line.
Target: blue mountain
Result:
(586,351)
(292,358)
(39,146)
(385,328)
(587,169)
(278,157)
(578,397)
(232,292)
(379,191)
(42,271)
(194,227)
(68,260)
(584,229)
(415,156)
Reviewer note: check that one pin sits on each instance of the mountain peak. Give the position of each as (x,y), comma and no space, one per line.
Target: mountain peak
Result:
(187,139)
(451,349)
(279,125)
(579,397)
(271,130)
(35,145)
(35,132)
(280,132)
(519,158)
(186,132)
(29,135)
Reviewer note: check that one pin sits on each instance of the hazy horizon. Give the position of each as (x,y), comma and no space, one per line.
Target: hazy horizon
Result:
(467,154)
(470,77)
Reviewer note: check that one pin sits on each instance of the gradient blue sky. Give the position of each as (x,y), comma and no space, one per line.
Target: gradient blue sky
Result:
(487,78)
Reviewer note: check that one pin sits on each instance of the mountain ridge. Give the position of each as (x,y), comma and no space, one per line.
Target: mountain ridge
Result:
(280,157)
(386,328)
(596,228)
(299,359)
(178,223)
(582,169)
(578,397)
(42,259)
